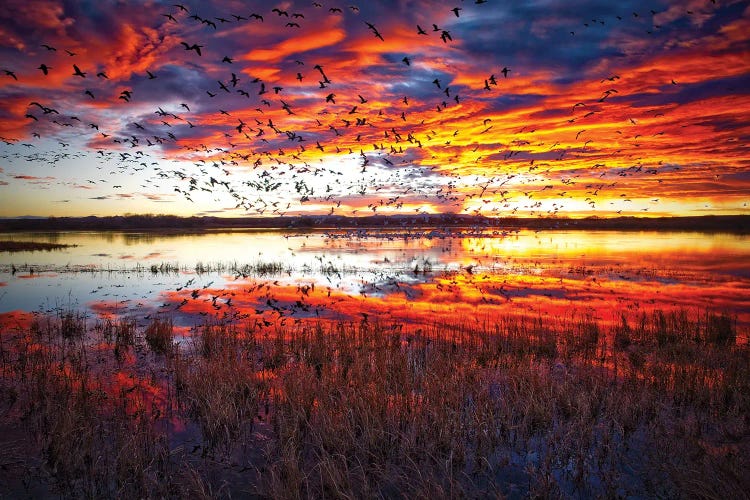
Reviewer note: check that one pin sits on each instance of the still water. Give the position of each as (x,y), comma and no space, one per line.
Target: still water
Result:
(271,277)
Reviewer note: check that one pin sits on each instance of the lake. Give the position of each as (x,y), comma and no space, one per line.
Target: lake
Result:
(244,363)
(412,277)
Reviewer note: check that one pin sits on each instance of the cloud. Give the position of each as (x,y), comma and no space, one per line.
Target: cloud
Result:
(588,101)
(32,177)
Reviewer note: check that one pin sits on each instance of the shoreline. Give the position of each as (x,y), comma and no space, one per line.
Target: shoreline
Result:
(735,224)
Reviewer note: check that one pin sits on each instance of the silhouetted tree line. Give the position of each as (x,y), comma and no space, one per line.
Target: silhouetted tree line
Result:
(150,222)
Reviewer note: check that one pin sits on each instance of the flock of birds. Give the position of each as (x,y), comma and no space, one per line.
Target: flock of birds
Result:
(256,141)
(399,158)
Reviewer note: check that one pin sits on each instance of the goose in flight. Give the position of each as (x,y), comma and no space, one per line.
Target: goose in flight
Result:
(374,31)
(195,47)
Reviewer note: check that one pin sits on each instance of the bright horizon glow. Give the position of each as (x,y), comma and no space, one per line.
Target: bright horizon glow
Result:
(636,108)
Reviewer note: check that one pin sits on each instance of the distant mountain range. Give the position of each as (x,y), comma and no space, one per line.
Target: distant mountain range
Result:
(714,223)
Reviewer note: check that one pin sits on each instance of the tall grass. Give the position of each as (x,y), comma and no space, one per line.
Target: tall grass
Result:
(159,335)
(656,404)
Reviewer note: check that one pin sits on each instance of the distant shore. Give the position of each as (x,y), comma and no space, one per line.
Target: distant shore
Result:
(710,223)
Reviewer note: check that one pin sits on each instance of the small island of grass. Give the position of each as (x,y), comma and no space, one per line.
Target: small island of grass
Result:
(30,246)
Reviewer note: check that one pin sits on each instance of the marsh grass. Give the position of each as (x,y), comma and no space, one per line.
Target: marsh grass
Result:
(219,387)
(655,404)
(159,336)
(30,246)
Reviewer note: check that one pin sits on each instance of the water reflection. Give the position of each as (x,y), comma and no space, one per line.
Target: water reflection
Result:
(267,277)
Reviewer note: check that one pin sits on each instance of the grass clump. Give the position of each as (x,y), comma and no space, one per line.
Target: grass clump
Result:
(159,336)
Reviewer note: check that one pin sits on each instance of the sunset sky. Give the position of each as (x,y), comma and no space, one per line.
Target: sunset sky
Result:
(237,108)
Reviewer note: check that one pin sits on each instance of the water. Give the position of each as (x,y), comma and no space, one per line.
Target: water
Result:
(267,277)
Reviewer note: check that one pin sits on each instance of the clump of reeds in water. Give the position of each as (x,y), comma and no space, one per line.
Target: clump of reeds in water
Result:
(654,404)
(164,268)
(159,335)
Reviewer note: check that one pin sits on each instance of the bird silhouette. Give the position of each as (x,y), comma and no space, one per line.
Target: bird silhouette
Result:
(78,72)
(374,30)
(195,47)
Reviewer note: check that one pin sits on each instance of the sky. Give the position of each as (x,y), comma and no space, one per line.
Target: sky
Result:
(228,108)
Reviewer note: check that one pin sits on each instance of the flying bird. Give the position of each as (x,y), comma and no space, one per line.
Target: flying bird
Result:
(374,30)
(78,72)
(195,47)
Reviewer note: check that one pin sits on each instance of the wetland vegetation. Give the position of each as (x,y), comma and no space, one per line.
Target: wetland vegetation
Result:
(29,246)
(656,405)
